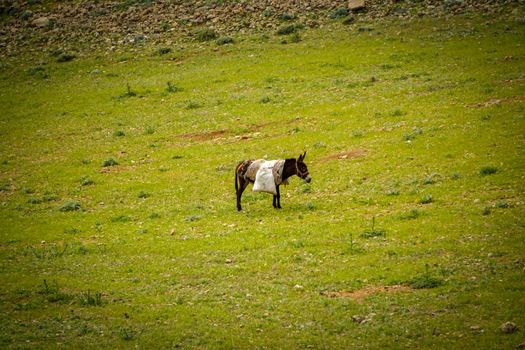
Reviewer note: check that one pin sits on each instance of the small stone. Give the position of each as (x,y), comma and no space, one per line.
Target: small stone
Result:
(41,22)
(228,261)
(508,327)
(358,318)
(475,328)
(356,5)
(298,286)
(521,346)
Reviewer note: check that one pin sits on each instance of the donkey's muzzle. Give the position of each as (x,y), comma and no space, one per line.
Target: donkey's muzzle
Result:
(308,179)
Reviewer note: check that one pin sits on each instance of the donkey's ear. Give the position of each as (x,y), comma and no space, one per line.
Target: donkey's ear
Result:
(304,155)
(300,158)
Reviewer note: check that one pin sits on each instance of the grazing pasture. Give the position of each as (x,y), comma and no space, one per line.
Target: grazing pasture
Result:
(119,226)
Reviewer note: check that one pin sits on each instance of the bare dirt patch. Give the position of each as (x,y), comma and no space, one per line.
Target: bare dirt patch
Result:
(360,294)
(354,153)
(204,136)
(117,169)
(497,101)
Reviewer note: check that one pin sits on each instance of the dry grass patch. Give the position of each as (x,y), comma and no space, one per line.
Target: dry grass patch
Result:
(354,153)
(360,294)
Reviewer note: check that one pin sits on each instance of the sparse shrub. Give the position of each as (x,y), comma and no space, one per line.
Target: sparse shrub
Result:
(149,130)
(295,38)
(34,200)
(154,216)
(486,211)
(409,137)
(119,133)
(488,170)
(430,179)
(397,113)
(412,135)
(358,133)
(144,194)
(426,199)
(165,26)
(310,206)
(502,203)
(411,215)
(172,88)
(455,176)
(286,16)
(267,12)
(86,181)
(264,99)
(425,281)
(49,198)
(70,206)
(126,334)
(392,192)
(193,105)
(4,187)
(109,162)
(90,299)
(177,156)
(82,249)
(38,72)
(71,231)
(373,232)
(163,51)
(289,29)
(205,34)
(365,29)
(192,218)
(25,15)
(223,40)
(339,13)
(52,293)
(348,20)
(121,218)
(129,91)
(65,57)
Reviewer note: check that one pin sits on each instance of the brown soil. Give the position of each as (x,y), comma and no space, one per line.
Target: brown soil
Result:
(116,169)
(354,153)
(497,101)
(360,294)
(204,136)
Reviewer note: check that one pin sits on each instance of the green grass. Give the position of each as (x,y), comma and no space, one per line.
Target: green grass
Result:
(182,268)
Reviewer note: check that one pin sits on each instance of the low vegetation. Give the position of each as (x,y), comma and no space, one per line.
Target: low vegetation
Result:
(117,206)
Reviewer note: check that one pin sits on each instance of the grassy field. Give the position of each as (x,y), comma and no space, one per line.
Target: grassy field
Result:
(411,234)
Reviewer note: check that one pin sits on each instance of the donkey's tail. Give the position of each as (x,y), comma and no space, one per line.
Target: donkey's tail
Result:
(236,181)
(237,177)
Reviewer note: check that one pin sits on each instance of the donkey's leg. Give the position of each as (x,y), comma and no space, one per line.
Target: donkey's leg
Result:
(242,186)
(278,198)
(275,201)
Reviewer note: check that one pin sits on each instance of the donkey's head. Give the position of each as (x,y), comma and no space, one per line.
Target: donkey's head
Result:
(301,169)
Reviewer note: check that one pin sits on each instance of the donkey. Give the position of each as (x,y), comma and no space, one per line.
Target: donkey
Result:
(246,170)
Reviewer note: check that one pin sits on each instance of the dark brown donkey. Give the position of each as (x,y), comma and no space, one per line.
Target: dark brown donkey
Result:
(245,175)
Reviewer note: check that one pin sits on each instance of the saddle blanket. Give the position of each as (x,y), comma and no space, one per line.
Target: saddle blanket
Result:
(266,175)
